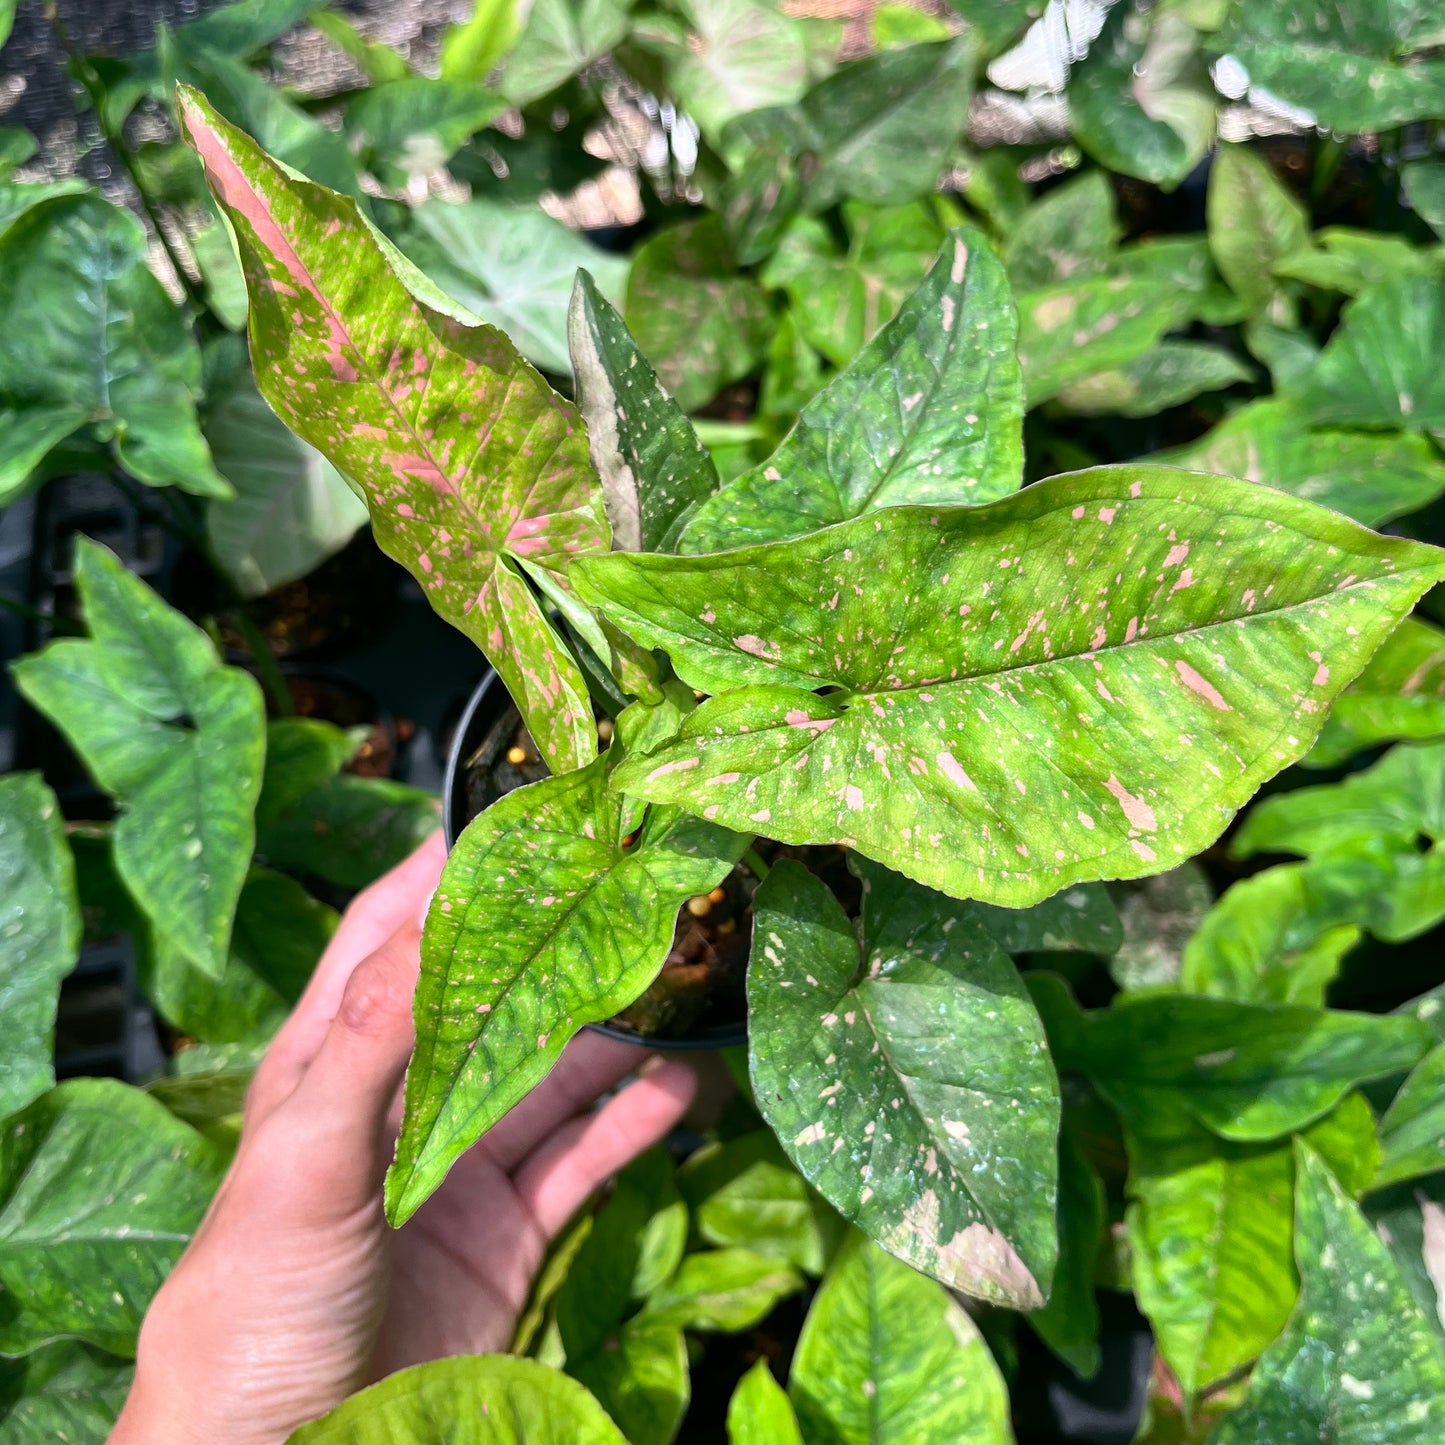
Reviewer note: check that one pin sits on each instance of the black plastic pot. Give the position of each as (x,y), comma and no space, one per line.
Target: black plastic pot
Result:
(486,706)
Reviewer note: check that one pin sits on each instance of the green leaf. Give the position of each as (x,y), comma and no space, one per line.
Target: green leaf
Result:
(28,433)
(700,323)
(1412,1133)
(411,127)
(97,1153)
(349,830)
(1069,1323)
(641,1380)
(1077,918)
(572,927)
(726,1290)
(1358,1361)
(1352,261)
(655,472)
(1172,373)
(92,331)
(1400,694)
(17,145)
(1349,65)
(877,1323)
(895,26)
(1247,1072)
(514,268)
(1077,328)
(1158,916)
(378,61)
(1289,355)
(929,412)
(759,1412)
(475,1400)
(173,736)
(471,48)
(224,285)
(1211,1228)
(1182,264)
(1379,368)
(944,1155)
(67,1392)
(1254,223)
(1269,939)
(1410,1219)
(1070,232)
(1167,696)
(997,22)
(1141,101)
(1370,477)
(745,1192)
(302,753)
(211,1103)
(291,509)
(560,38)
(39,933)
(328,312)
(1424,183)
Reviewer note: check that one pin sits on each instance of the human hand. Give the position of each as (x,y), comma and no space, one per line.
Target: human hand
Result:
(294,1292)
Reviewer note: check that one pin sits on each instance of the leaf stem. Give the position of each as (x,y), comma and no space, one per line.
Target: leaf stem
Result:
(755,864)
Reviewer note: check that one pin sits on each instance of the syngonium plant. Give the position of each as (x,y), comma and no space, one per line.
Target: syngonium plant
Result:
(993,697)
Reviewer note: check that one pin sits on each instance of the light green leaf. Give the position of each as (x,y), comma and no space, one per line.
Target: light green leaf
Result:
(341,348)
(931,411)
(759,1412)
(1141,101)
(1370,477)
(471,48)
(641,1381)
(472,1400)
(92,331)
(211,1103)
(97,1152)
(1269,939)
(727,1290)
(1289,355)
(695,317)
(1254,223)
(65,1392)
(564,902)
(225,286)
(1069,1323)
(17,144)
(1352,261)
(291,510)
(876,1322)
(173,736)
(39,934)
(302,753)
(378,61)
(1350,65)
(1380,368)
(745,1192)
(1412,1133)
(1424,183)
(27,435)
(1172,373)
(655,472)
(1071,232)
(1158,916)
(560,38)
(1211,1228)
(942,1154)
(413,126)
(512,267)
(1358,1361)
(895,26)
(1400,694)
(1169,691)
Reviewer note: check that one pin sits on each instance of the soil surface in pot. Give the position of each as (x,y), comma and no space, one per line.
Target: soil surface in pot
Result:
(702,986)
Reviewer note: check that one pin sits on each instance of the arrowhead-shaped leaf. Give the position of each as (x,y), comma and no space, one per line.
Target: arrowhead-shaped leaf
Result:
(942,1151)
(561,37)
(1370,477)
(97,1152)
(1254,221)
(175,737)
(929,1376)
(727,1290)
(1081,681)
(543,922)
(759,1412)
(467,458)
(1070,232)
(930,411)
(1412,1133)
(655,473)
(39,933)
(1358,1361)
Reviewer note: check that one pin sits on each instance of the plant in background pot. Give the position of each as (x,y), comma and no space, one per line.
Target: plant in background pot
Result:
(992,698)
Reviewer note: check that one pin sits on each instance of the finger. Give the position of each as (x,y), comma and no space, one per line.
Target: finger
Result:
(574,1162)
(590,1065)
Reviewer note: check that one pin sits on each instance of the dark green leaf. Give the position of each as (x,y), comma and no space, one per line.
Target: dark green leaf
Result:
(930,412)
(100,1191)
(997,21)
(302,753)
(759,1412)
(1069,1323)
(542,922)
(413,126)
(39,934)
(28,434)
(1424,182)
(560,38)
(66,1392)
(1412,1133)
(1083,917)
(1158,916)
(1168,692)
(211,1103)
(173,736)
(1410,1220)
(944,1154)
(886,1357)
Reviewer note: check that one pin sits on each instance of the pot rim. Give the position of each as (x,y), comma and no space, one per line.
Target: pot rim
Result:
(718,1036)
